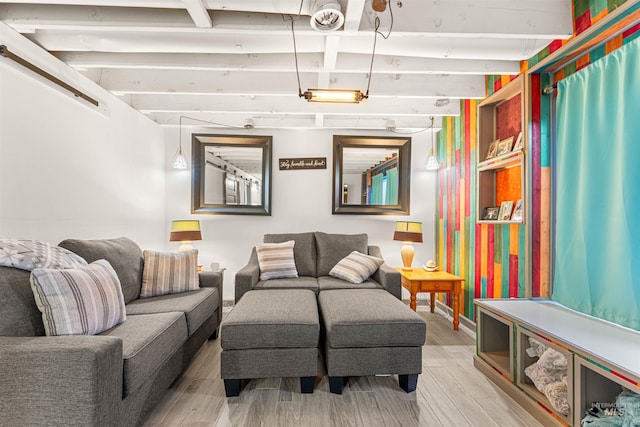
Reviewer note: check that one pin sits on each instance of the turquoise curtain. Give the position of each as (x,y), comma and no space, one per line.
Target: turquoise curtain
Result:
(376,189)
(597,228)
(392,187)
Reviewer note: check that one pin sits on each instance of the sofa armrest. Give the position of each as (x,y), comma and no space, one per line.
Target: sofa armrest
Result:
(214,279)
(74,380)
(247,276)
(389,278)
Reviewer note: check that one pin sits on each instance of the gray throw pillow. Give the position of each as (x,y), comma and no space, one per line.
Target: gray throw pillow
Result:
(30,254)
(356,267)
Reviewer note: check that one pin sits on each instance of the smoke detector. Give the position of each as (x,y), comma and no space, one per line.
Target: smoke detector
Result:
(248,124)
(326,15)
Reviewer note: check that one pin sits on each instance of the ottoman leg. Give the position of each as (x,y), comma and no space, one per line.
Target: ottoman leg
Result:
(232,387)
(306,384)
(336,384)
(408,382)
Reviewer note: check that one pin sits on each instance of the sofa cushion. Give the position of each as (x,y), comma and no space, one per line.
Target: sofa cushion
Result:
(78,301)
(356,267)
(326,283)
(333,247)
(304,250)
(272,319)
(148,340)
(169,273)
(310,283)
(369,318)
(276,260)
(124,255)
(30,254)
(20,316)
(197,306)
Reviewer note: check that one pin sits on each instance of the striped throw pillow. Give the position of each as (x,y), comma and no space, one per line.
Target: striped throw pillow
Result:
(78,301)
(169,273)
(356,267)
(276,260)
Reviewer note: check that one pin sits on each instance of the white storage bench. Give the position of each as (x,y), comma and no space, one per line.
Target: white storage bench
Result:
(602,357)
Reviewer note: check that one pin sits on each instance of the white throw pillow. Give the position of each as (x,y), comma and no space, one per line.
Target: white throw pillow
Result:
(276,260)
(30,254)
(169,273)
(78,301)
(356,267)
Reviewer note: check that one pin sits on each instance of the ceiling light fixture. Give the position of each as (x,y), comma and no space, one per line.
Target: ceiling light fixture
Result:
(179,160)
(432,161)
(327,15)
(337,95)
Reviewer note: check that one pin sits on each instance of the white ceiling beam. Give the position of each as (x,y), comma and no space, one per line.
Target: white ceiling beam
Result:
(291,105)
(292,121)
(387,85)
(307,62)
(525,19)
(198,13)
(206,42)
(353,15)
(478,18)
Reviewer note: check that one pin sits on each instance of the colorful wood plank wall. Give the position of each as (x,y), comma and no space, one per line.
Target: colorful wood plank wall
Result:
(491,257)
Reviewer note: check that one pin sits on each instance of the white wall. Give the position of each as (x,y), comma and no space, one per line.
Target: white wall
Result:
(68,170)
(301,201)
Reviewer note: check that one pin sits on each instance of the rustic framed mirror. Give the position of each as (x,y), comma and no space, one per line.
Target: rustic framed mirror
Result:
(371,175)
(231,174)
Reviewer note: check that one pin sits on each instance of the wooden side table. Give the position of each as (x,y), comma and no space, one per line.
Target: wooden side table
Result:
(421,280)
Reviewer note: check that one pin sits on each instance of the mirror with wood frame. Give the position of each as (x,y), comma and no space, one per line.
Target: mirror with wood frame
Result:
(371,175)
(231,174)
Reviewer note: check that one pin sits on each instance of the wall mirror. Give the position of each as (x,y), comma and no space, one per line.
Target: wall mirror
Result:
(231,174)
(371,175)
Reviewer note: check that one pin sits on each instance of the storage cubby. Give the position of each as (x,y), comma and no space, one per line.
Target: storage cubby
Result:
(496,342)
(597,386)
(526,384)
(501,177)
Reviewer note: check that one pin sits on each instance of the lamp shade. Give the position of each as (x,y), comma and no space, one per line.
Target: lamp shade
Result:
(185,229)
(407,231)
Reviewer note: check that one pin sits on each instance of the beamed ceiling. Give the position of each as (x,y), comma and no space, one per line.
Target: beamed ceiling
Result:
(229,61)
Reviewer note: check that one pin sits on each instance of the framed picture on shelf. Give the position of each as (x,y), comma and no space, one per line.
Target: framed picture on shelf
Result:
(504,146)
(491,213)
(519,143)
(493,148)
(505,210)
(517,211)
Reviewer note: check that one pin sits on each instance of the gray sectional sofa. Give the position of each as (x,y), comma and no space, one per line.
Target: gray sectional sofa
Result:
(315,255)
(110,379)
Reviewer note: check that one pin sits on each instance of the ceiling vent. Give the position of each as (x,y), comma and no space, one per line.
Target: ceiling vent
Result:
(326,15)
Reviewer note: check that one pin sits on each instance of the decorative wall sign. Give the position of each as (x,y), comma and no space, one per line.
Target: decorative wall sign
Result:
(303,163)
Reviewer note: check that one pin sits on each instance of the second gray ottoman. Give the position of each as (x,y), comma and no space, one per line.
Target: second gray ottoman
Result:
(269,334)
(369,332)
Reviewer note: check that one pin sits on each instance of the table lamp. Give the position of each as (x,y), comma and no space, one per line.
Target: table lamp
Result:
(408,232)
(185,231)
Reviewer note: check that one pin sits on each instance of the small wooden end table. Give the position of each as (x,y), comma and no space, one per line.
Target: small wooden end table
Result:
(421,280)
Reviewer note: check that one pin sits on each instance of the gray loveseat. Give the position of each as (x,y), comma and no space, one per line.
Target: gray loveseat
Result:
(315,255)
(110,379)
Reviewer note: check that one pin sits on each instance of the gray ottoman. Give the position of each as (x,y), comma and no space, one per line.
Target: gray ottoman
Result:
(271,333)
(369,332)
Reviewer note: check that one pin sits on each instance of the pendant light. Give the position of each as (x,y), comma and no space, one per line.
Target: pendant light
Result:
(432,161)
(179,160)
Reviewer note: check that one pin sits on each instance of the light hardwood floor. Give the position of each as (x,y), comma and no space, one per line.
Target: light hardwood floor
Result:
(450,392)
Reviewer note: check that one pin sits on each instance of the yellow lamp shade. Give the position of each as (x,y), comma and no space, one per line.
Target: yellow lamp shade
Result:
(185,230)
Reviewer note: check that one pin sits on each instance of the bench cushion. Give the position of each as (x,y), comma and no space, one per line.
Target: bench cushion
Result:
(148,340)
(197,306)
(369,318)
(310,283)
(272,319)
(327,283)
